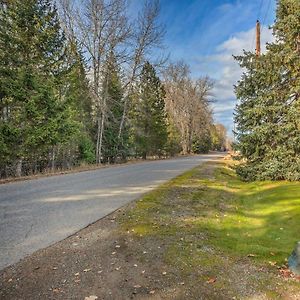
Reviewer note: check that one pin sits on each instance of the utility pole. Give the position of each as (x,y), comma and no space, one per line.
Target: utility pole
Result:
(257,50)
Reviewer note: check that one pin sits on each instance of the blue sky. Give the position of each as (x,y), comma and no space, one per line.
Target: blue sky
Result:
(205,34)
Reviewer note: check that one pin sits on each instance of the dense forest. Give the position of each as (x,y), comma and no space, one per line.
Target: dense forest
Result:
(268,113)
(81,82)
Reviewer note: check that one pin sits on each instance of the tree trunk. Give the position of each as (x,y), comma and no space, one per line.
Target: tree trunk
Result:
(35,168)
(19,167)
(101,137)
(122,120)
(98,141)
(184,148)
(53,159)
(144,155)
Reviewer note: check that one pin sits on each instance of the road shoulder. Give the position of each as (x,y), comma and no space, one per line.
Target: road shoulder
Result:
(154,248)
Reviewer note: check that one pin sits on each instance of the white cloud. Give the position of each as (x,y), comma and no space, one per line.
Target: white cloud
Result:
(230,72)
(226,72)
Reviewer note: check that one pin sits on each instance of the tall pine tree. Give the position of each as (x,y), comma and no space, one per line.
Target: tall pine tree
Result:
(268,115)
(34,115)
(149,116)
(114,147)
(75,87)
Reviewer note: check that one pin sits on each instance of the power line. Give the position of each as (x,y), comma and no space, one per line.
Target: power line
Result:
(260,7)
(267,11)
(265,17)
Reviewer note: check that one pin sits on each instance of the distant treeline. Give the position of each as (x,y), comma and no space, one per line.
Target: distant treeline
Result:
(79,84)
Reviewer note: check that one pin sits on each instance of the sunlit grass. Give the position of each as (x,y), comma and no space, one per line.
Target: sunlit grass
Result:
(209,221)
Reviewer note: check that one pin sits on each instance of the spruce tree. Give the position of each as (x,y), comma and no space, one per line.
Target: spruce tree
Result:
(267,117)
(34,114)
(75,87)
(114,147)
(149,116)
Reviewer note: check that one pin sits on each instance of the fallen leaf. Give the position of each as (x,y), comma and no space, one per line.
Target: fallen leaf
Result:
(152,292)
(55,290)
(99,272)
(118,246)
(113,253)
(135,265)
(91,298)
(137,286)
(251,255)
(285,272)
(143,272)
(10,280)
(118,268)
(76,274)
(272,253)
(86,270)
(164,273)
(272,263)
(211,280)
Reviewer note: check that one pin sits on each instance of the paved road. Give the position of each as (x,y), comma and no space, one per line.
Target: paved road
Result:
(34,214)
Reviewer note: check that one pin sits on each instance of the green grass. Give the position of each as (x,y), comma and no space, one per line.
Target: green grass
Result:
(263,219)
(209,218)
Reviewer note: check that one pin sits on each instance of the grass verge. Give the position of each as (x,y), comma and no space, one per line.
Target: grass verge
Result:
(220,235)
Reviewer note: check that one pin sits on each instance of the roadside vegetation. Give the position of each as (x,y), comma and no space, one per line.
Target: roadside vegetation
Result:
(204,235)
(222,235)
(85,82)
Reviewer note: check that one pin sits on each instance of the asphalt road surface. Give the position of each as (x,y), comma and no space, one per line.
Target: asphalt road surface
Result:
(37,213)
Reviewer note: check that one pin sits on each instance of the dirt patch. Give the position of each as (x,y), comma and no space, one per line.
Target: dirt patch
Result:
(146,250)
(96,261)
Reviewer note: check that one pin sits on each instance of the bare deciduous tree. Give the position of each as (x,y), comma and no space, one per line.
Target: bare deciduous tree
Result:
(187,103)
(101,27)
(147,34)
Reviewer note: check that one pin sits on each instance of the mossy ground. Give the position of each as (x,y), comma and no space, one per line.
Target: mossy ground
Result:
(223,237)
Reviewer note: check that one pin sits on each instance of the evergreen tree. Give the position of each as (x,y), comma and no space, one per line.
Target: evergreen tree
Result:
(267,117)
(34,115)
(173,146)
(77,94)
(202,143)
(149,117)
(114,147)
